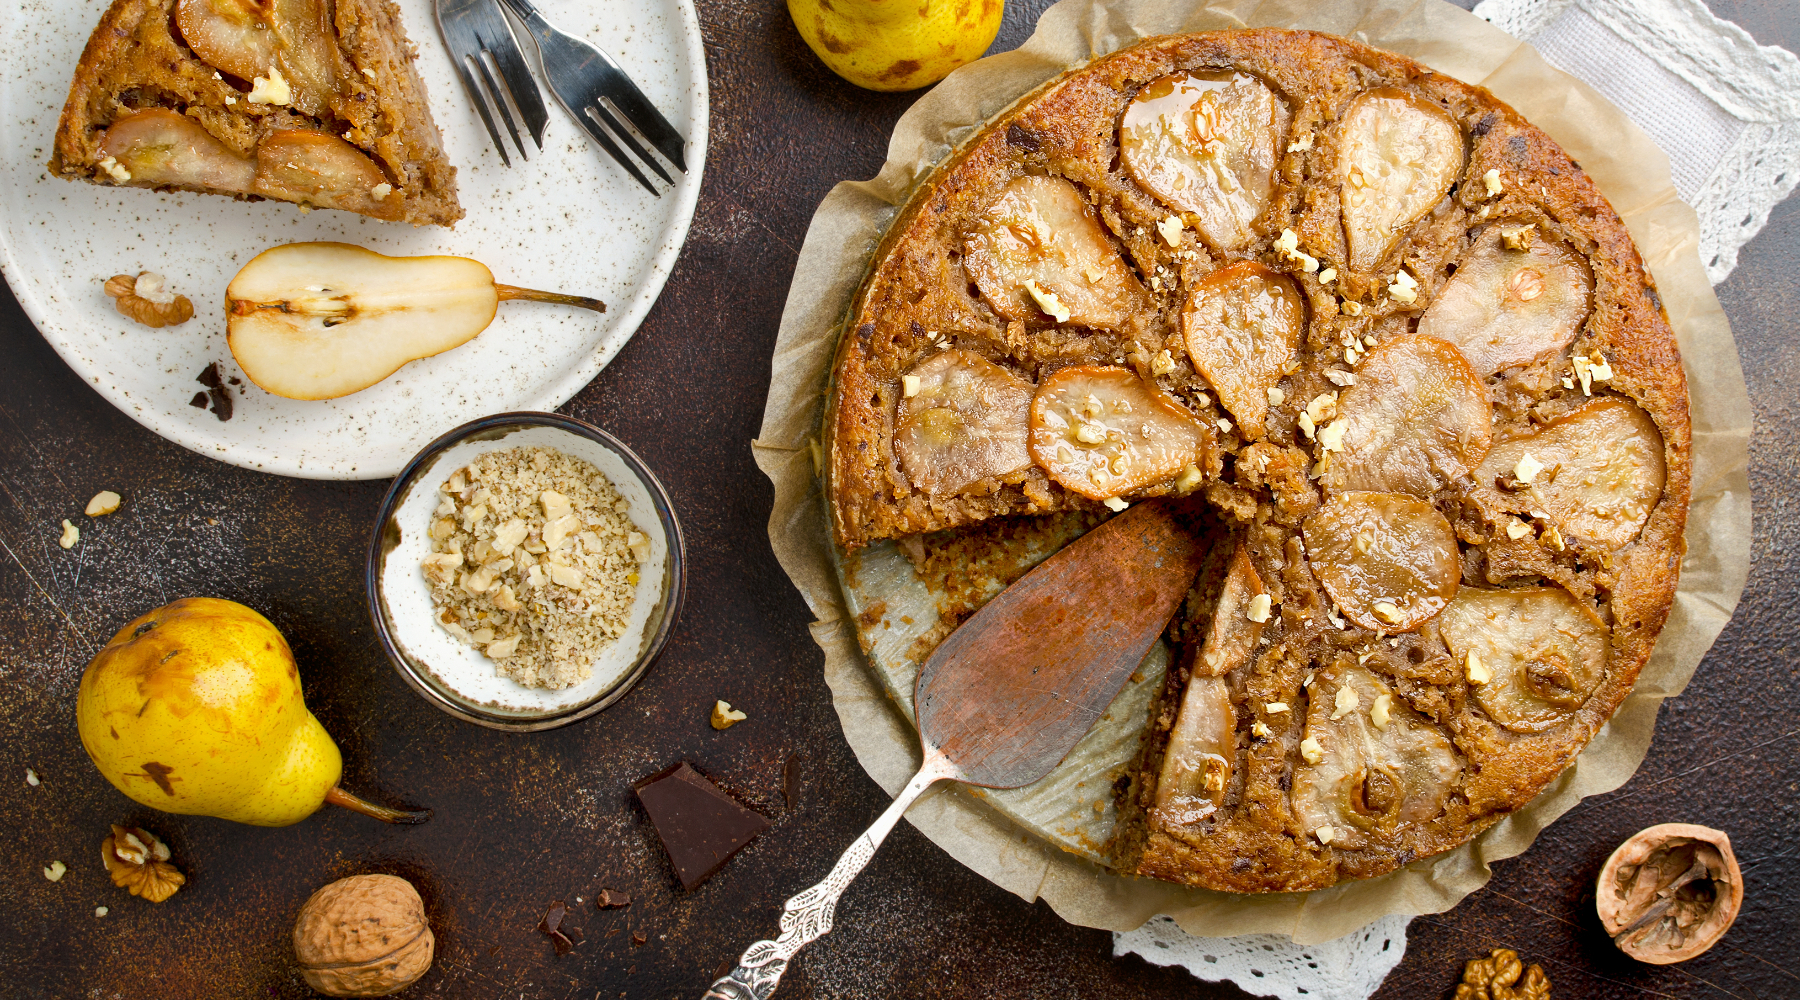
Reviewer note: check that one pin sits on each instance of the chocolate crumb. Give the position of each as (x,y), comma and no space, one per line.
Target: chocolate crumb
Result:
(790,781)
(610,899)
(564,938)
(638,937)
(199,400)
(215,389)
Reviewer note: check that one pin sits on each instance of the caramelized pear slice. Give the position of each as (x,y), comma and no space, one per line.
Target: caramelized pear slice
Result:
(1039,250)
(1371,779)
(307,52)
(1388,560)
(1505,307)
(1196,766)
(1417,419)
(1205,143)
(1602,472)
(321,320)
(1545,652)
(1399,156)
(165,147)
(318,169)
(1232,634)
(1241,325)
(1103,432)
(966,421)
(229,35)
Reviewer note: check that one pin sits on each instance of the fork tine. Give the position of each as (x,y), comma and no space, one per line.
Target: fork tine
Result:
(592,127)
(638,110)
(501,106)
(625,139)
(510,61)
(481,106)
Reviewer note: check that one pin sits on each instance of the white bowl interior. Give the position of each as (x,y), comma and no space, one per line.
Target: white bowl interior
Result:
(460,671)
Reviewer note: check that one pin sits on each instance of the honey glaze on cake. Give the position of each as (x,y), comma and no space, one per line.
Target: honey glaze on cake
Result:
(1399,343)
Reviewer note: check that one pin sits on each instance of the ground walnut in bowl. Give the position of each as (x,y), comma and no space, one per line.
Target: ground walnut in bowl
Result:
(534,559)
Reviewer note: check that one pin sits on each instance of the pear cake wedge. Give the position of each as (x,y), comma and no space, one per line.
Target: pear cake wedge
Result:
(314,102)
(1398,343)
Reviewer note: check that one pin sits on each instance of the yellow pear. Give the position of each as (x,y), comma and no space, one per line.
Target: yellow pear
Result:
(896,44)
(196,708)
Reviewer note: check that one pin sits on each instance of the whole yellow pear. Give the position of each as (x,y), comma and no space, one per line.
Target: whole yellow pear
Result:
(196,708)
(896,44)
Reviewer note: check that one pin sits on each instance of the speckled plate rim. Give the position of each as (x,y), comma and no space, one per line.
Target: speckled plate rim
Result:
(386,536)
(41,304)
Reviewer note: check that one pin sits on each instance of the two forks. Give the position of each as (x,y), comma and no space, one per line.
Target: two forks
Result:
(586,81)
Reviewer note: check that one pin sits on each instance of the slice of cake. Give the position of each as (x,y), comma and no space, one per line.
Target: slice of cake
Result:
(310,101)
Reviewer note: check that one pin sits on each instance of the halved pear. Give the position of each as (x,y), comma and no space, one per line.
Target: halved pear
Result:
(965,420)
(1400,154)
(1545,652)
(1242,325)
(1601,471)
(1389,561)
(322,320)
(1507,306)
(1417,419)
(1039,250)
(229,35)
(1206,143)
(1196,766)
(1102,431)
(167,147)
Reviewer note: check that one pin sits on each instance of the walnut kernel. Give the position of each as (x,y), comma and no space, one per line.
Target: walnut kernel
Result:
(724,716)
(145,299)
(138,861)
(1501,976)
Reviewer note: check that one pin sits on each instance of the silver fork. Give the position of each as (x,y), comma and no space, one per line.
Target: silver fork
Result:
(492,69)
(597,94)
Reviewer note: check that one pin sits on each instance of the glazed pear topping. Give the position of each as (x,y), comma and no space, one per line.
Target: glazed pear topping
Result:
(164,147)
(1600,472)
(1545,652)
(1206,143)
(1196,767)
(229,35)
(319,169)
(966,421)
(1417,419)
(1103,432)
(308,54)
(1388,560)
(1039,251)
(1232,635)
(1242,325)
(1400,154)
(1506,307)
(1381,765)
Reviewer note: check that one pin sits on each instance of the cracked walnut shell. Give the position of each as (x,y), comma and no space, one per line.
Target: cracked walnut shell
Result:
(1501,976)
(363,936)
(1670,892)
(138,861)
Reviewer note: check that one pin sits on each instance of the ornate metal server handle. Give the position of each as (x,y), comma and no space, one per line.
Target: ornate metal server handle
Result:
(807,916)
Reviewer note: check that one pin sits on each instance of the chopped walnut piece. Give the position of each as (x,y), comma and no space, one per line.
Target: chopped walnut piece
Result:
(70,535)
(146,299)
(1499,976)
(1670,892)
(55,870)
(138,861)
(104,502)
(724,716)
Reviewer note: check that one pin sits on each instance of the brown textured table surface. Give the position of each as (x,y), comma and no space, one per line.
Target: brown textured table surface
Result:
(524,820)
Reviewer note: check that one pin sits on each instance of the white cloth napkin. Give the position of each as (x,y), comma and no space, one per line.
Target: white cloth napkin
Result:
(1727,111)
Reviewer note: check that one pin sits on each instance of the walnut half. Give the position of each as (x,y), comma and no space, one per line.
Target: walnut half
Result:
(146,300)
(1670,892)
(1501,976)
(138,861)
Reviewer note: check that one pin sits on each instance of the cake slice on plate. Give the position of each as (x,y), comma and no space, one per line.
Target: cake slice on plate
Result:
(310,101)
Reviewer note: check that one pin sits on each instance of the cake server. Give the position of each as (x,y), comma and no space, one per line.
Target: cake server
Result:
(1010,692)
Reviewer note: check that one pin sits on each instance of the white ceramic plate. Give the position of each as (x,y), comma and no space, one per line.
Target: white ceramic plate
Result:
(568,220)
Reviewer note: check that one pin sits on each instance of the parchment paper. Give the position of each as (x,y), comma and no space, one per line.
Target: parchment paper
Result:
(1629,169)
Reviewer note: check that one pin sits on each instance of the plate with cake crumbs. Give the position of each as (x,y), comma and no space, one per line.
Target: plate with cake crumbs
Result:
(527,571)
(431,182)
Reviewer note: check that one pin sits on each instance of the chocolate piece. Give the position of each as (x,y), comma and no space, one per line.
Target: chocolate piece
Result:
(700,826)
(215,390)
(612,900)
(790,781)
(638,937)
(565,938)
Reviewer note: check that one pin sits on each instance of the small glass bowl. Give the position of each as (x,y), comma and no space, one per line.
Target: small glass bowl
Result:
(455,676)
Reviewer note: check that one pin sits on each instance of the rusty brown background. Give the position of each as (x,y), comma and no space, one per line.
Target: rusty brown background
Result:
(526,819)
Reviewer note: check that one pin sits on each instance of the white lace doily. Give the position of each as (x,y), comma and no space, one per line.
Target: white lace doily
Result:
(1727,112)
(1272,964)
(1725,109)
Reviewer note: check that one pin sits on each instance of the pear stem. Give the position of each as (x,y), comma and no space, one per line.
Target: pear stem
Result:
(533,295)
(409,817)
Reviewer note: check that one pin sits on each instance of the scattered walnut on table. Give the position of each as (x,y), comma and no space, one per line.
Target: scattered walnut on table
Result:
(1501,976)
(138,861)
(146,299)
(1670,892)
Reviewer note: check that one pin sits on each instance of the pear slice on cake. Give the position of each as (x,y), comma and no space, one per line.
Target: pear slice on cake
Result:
(322,320)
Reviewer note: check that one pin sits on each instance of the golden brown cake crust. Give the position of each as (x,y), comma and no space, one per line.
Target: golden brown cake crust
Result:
(134,60)
(918,294)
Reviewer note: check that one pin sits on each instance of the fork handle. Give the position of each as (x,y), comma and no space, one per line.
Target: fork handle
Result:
(807,916)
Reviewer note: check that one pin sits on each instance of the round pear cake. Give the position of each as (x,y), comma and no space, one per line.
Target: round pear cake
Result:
(1395,351)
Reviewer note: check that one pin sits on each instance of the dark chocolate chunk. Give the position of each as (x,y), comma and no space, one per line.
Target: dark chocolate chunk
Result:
(700,826)
(199,400)
(611,899)
(637,937)
(564,938)
(790,781)
(215,390)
